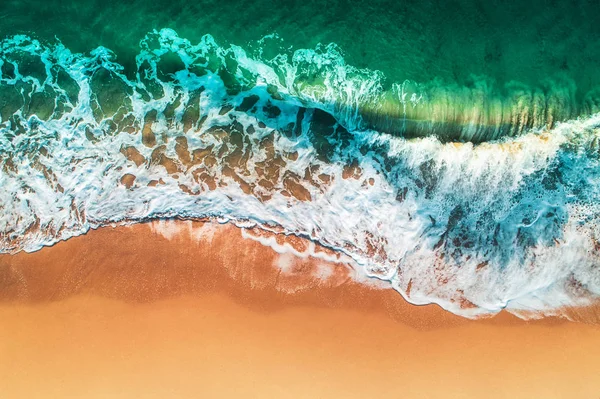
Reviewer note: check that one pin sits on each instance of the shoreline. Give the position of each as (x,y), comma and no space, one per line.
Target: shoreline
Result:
(93,270)
(198,233)
(152,310)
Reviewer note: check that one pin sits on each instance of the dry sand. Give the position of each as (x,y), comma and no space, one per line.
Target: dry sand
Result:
(149,312)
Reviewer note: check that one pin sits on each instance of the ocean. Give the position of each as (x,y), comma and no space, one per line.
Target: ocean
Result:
(451,149)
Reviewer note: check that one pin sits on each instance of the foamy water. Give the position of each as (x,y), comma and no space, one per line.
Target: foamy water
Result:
(204,131)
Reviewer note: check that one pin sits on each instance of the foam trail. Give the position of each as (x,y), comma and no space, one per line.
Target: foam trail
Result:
(203,131)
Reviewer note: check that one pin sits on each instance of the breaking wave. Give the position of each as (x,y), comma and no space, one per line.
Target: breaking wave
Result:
(304,144)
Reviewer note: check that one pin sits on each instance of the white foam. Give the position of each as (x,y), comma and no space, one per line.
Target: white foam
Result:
(473,228)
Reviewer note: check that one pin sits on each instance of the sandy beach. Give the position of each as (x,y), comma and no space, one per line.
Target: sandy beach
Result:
(196,310)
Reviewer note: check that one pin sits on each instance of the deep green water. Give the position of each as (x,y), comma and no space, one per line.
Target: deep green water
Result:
(528,41)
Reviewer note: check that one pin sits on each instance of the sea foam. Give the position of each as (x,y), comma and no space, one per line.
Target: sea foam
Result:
(203,131)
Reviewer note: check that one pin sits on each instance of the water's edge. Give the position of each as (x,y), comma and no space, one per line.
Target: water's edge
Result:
(301,142)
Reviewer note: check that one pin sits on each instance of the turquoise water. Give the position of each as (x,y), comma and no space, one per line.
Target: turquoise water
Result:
(480,62)
(450,149)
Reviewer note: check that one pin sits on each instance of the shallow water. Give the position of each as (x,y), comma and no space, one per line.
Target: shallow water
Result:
(296,120)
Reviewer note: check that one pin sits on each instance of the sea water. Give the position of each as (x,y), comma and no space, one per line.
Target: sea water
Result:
(477,191)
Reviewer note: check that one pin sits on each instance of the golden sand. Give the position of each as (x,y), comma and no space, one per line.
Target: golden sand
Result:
(143,312)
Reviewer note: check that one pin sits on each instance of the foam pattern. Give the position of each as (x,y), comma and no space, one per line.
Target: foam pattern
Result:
(203,131)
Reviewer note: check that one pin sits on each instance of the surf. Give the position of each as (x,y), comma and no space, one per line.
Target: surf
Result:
(455,196)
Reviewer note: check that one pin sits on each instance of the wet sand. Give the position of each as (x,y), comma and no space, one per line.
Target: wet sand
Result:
(154,311)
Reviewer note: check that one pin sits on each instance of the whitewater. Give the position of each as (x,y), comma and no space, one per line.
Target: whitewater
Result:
(477,206)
